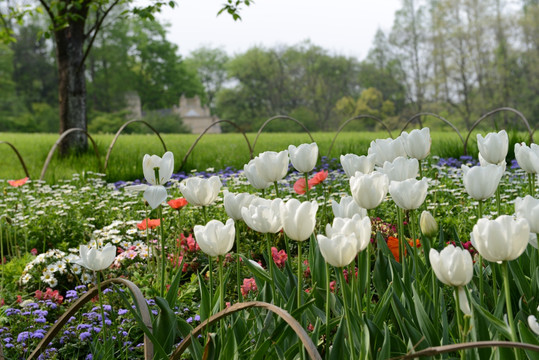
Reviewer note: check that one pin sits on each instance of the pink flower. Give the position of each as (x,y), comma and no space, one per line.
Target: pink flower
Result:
(279,257)
(248,286)
(318,178)
(17,183)
(299,186)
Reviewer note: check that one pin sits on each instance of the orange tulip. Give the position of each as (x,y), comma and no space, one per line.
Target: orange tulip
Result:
(393,245)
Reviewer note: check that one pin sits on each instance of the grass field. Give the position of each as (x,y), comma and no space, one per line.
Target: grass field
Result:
(212,151)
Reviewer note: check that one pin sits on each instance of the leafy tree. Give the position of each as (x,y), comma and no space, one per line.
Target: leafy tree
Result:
(74,25)
(210,66)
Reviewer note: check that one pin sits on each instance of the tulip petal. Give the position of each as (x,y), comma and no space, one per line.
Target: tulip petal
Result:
(155,195)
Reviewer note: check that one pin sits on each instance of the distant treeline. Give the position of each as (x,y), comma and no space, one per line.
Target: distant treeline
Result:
(456,58)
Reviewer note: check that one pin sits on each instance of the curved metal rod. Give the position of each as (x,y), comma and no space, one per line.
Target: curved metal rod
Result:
(285,117)
(88,296)
(19,156)
(436,116)
(356,118)
(303,336)
(206,130)
(494,112)
(122,129)
(437,350)
(62,136)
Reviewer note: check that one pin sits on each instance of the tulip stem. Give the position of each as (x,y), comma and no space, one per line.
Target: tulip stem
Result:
(276,189)
(479,216)
(420,169)
(459,322)
(507,289)
(270,265)
(413,236)
(402,248)
(346,311)
(327,309)
(306,175)
(100,295)
(163,251)
(498,201)
(368,297)
(221,294)
(238,269)
(299,274)
(531,183)
(210,288)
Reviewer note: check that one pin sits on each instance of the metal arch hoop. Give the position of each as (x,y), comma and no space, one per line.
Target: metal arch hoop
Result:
(285,117)
(207,129)
(494,112)
(357,118)
(62,136)
(88,296)
(117,135)
(436,116)
(19,156)
(302,335)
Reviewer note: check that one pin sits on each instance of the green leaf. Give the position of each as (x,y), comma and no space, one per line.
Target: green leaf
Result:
(204,299)
(385,351)
(257,271)
(338,351)
(498,324)
(185,329)
(164,327)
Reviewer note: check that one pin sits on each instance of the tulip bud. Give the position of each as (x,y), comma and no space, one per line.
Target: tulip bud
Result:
(215,238)
(303,157)
(429,226)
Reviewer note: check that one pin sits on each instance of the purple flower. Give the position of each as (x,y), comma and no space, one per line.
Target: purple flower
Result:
(122,311)
(40,320)
(23,336)
(197,317)
(71,294)
(189,320)
(85,335)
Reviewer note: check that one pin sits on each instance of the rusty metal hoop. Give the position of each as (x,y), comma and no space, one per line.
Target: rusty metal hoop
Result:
(91,293)
(118,135)
(418,116)
(62,136)
(522,117)
(207,129)
(285,117)
(302,335)
(356,118)
(19,156)
(437,350)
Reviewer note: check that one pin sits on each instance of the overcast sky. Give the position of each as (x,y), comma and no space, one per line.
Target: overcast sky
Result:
(345,27)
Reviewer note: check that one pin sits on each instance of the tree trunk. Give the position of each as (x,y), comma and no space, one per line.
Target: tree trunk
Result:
(72,84)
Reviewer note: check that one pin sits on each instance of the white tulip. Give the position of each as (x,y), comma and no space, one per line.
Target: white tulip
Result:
(272,166)
(481,182)
(386,150)
(215,238)
(263,218)
(352,163)
(164,165)
(417,143)
(155,195)
(339,250)
(303,157)
(494,146)
(534,325)
(201,192)
(409,194)
(453,266)
(401,169)
(96,259)
(369,190)
(528,157)
(528,209)
(347,208)
(502,239)
(359,227)
(484,162)
(234,202)
(253,176)
(428,225)
(298,218)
